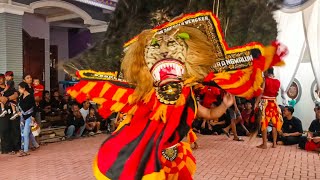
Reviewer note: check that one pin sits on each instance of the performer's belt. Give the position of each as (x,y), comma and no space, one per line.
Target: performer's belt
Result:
(268,98)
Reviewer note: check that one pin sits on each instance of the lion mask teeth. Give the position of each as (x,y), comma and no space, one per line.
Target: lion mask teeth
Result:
(167,68)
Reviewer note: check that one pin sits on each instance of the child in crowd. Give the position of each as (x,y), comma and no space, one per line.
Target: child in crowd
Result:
(92,122)
(38,89)
(8,91)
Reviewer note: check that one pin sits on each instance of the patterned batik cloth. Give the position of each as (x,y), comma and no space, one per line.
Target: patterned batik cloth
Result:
(270,112)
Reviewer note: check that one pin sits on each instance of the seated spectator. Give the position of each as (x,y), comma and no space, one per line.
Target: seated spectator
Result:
(92,122)
(66,103)
(245,126)
(84,112)
(219,124)
(196,125)
(291,128)
(56,103)
(45,103)
(121,116)
(206,128)
(110,123)
(74,122)
(313,138)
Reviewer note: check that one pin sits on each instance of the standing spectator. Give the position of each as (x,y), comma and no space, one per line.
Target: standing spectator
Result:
(9,89)
(84,111)
(235,117)
(92,122)
(26,104)
(74,122)
(313,138)
(291,128)
(38,90)
(28,79)
(9,130)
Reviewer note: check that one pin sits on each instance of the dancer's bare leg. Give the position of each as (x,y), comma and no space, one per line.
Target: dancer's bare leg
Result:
(234,129)
(264,140)
(227,129)
(274,136)
(196,146)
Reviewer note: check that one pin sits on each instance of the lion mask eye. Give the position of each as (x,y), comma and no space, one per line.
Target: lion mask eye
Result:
(154,42)
(183,36)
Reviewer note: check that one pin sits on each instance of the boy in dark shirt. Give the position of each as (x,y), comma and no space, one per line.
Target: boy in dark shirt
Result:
(291,128)
(8,91)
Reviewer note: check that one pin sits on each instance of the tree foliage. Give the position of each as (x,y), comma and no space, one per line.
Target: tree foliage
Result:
(242,21)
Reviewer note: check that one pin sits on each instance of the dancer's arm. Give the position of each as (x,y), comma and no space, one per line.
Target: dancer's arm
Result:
(218,111)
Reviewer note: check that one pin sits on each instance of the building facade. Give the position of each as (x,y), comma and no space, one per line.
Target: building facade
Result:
(38,36)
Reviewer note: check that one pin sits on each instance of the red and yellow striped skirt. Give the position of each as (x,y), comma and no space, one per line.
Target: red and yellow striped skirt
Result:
(270,112)
(177,163)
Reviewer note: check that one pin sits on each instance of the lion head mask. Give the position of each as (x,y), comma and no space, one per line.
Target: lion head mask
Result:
(156,59)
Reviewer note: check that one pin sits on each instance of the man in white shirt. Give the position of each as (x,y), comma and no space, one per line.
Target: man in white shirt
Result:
(84,112)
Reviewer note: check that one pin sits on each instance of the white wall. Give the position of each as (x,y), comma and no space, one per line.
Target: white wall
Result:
(59,37)
(37,26)
(304,108)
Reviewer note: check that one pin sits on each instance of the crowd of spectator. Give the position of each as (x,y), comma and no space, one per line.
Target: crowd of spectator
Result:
(27,107)
(240,120)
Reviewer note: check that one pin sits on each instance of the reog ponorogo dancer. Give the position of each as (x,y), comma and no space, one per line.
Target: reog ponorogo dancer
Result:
(162,69)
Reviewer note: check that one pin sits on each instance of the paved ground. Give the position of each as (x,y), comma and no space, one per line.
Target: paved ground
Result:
(217,158)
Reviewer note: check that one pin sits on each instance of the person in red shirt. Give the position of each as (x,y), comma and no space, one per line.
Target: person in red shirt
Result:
(270,110)
(38,90)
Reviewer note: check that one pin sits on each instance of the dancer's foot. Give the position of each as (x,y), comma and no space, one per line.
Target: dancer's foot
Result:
(226,133)
(238,139)
(262,146)
(279,143)
(274,145)
(195,146)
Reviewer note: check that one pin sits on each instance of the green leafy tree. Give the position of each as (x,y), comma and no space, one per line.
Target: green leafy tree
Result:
(242,21)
